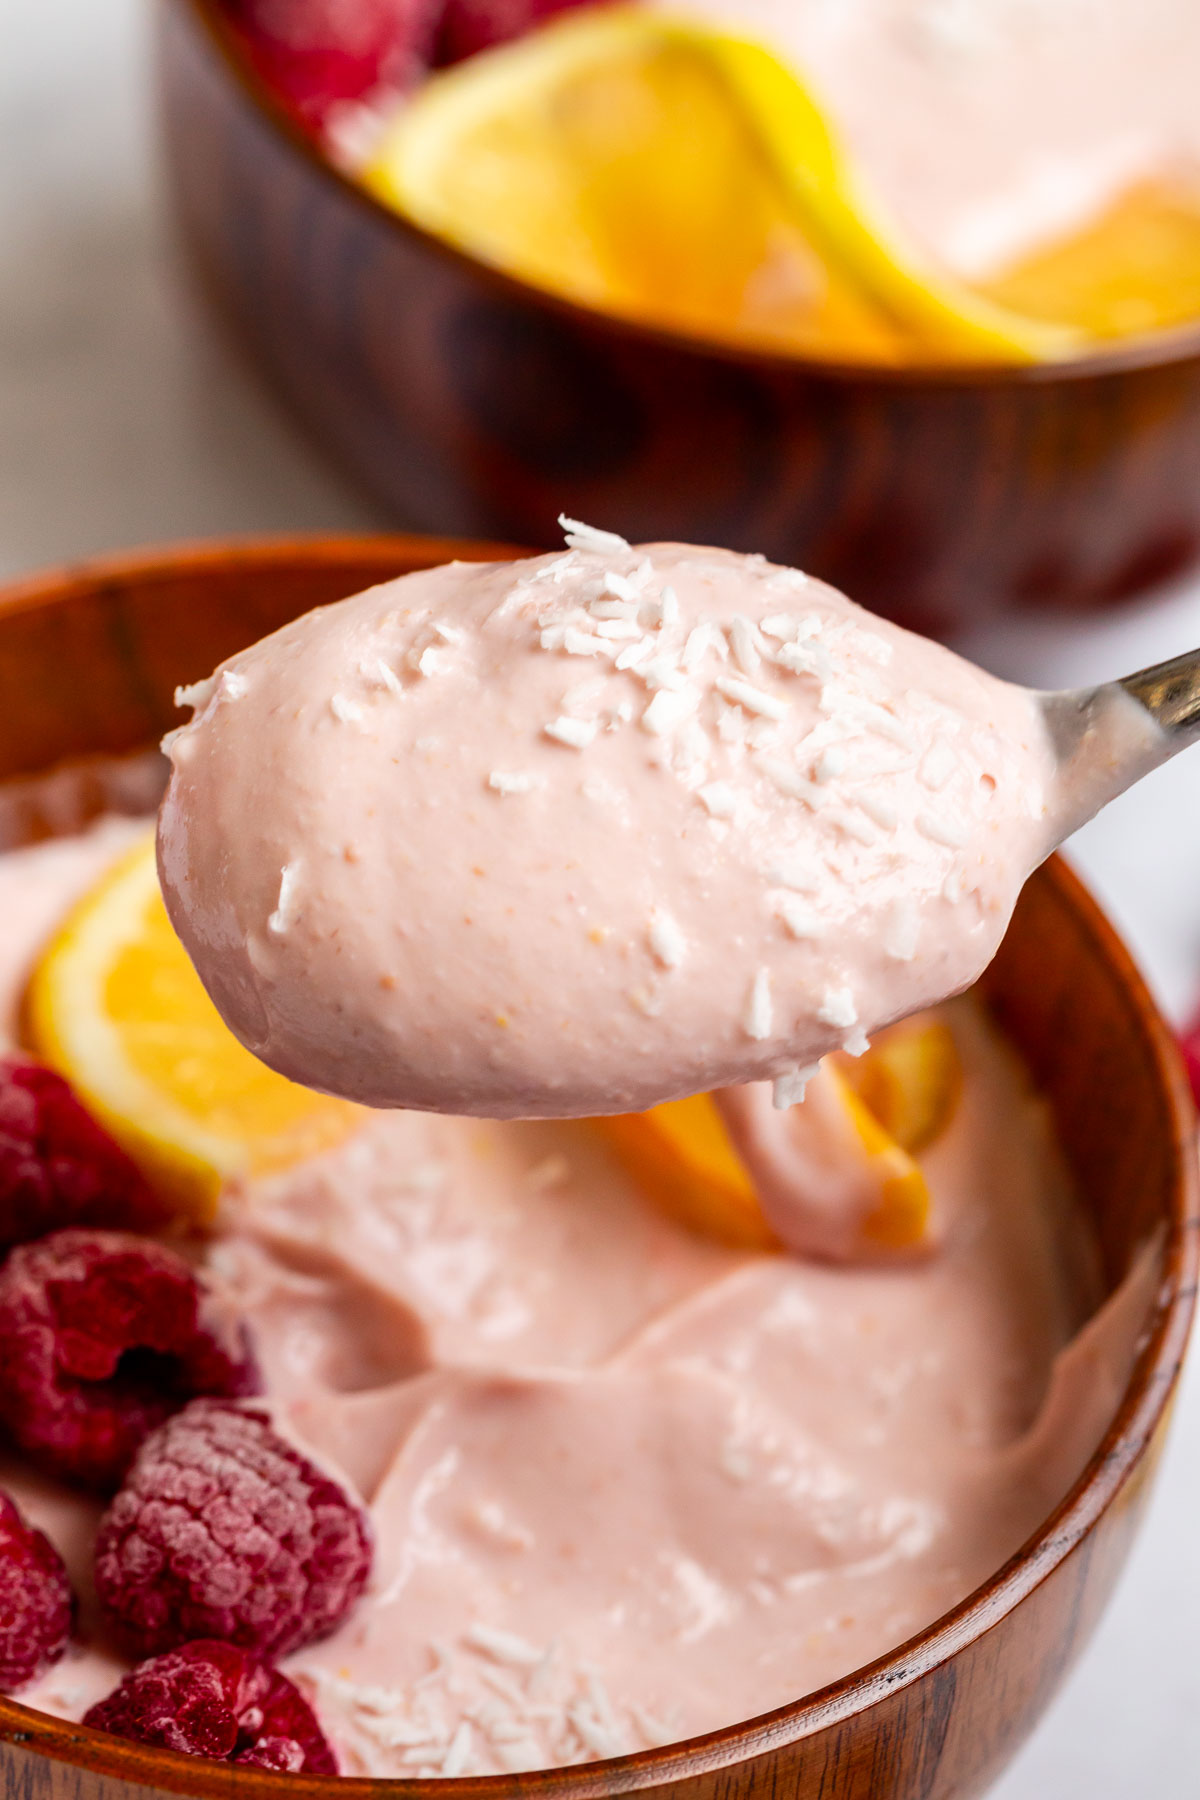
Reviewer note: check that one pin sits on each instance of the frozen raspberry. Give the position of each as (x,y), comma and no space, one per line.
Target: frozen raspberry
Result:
(36,1603)
(213,1700)
(1191,1055)
(472,25)
(57,1167)
(102,1337)
(319,54)
(224,1530)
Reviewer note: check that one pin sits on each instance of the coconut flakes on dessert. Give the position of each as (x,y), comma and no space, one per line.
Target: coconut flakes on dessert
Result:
(947,832)
(576,733)
(590,538)
(667,940)
(753,699)
(511,781)
(284,916)
(759,1013)
(345,710)
(800,920)
(838,1008)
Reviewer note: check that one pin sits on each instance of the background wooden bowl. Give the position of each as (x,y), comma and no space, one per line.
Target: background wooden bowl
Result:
(468,402)
(88,661)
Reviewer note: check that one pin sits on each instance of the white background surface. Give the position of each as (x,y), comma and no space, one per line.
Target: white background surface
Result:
(122,421)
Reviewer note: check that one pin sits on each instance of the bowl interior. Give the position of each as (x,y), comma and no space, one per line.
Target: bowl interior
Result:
(89,659)
(1164,347)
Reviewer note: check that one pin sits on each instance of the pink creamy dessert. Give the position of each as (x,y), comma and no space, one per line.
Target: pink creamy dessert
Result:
(627,1485)
(991,128)
(584,833)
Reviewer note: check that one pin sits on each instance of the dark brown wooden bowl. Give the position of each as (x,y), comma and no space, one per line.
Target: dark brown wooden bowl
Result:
(469,402)
(88,661)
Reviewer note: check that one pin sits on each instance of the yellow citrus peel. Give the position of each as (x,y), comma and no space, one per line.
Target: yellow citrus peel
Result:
(115,1005)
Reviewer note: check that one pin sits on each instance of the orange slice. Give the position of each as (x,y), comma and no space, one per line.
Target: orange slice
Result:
(115,1005)
(898,1098)
(681,176)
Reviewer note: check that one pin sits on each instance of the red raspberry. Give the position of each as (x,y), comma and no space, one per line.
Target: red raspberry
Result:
(36,1603)
(224,1530)
(210,1699)
(1191,1055)
(469,26)
(57,1167)
(318,54)
(102,1337)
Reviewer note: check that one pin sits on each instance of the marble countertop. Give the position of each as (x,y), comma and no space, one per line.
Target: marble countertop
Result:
(124,421)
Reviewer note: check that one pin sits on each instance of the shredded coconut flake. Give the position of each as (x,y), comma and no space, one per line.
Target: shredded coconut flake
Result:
(585,643)
(719,798)
(792,872)
(853,825)
(838,1009)
(590,538)
(902,931)
(856,1042)
(669,608)
(618,629)
(514,781)
(830,764)
(745,641)
(503,1646)
(752,698)
(197,694)
(284,915)
(377,673)
(800,920)
(789,782)
(578,733)
(946,832)
(790,1089)
(759,1010)
(668,709)
(937,766)
(667,940)
(346,712)
(636,654)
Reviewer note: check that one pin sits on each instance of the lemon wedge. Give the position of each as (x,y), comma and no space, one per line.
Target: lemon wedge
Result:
(898,1099)
(115,1005)
(684,177)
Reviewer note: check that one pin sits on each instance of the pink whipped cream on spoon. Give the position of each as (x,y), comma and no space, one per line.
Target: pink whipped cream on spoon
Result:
(583,833)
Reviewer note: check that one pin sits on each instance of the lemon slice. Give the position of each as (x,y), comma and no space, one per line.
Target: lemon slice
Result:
(898,1098)
(115,1005)
(648,165)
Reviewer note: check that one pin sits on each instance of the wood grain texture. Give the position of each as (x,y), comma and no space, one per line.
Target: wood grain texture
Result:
(88,659)
(471,403)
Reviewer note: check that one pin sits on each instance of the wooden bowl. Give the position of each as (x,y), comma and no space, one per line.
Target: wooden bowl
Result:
(469,402)
(88,661)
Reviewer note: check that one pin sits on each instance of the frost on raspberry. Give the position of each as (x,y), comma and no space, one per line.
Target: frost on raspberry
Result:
(36,1603)
(103,1336)
(224,1530)
(469,26)
(58,1167)
(321,54)
(213,1700)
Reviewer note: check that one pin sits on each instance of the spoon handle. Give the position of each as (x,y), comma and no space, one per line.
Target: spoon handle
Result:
(1170,693)
(1108,737)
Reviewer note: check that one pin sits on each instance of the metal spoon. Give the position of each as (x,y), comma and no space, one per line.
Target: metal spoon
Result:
(1108,737)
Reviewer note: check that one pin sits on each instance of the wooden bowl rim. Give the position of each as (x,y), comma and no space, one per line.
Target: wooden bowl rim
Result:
(1122,1448)
(1164,349)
